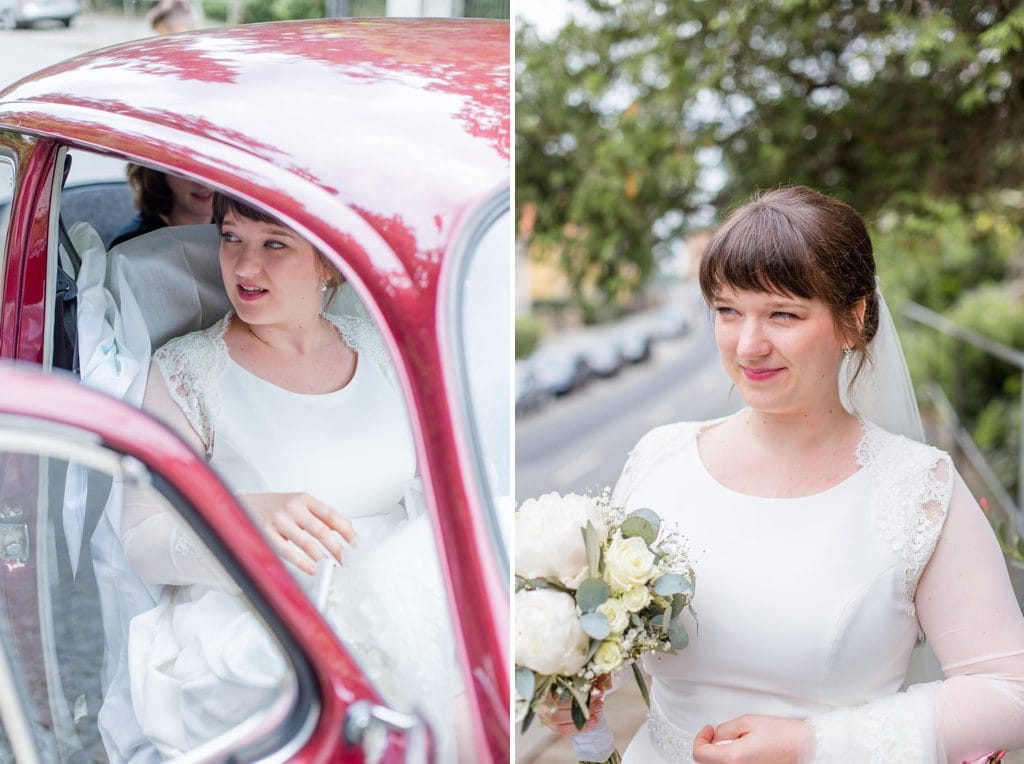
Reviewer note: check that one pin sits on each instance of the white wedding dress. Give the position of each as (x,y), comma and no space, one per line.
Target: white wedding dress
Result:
(201,662)
(809,607)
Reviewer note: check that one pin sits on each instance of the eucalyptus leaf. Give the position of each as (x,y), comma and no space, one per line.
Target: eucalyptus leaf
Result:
(594,644)
(595,625)
(679,603)
(554,583)
(642,684)
(591,595)
(593,546)
(526,720)
(526,682)
(672,583)
(651,517)
(520,583)
(677,635)
(578,717)
(638,527)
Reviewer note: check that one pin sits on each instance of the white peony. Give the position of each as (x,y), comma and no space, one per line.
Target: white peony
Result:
(628,563)
(549,639)
(608,657)
(616,613)
(549,540)
(636,599)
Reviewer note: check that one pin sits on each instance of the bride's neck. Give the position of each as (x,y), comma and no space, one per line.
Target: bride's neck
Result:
(801,431)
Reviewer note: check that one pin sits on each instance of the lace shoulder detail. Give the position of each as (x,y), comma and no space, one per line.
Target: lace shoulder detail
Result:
(191,366)
(653,448)
(913,485)
(362,336)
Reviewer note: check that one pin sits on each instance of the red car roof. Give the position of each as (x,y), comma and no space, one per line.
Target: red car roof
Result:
(403,121)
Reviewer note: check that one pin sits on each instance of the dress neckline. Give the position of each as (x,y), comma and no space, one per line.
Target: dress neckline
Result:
(860,453)
(344,389)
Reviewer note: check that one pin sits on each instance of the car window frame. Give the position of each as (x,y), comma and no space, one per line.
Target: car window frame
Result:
(278,738)
(485,215)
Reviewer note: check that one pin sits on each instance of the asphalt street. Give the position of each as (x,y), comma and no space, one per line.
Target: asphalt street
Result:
(580,442)
(24,51)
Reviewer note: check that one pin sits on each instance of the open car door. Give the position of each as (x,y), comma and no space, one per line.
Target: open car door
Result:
(65,450)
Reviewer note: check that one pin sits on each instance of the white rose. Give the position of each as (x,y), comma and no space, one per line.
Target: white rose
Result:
(628,563)
(608,657)
(636,599)
(549,639)
(616,613)
(548,537)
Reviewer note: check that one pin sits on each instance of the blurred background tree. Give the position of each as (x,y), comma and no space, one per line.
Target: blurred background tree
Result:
(660,115)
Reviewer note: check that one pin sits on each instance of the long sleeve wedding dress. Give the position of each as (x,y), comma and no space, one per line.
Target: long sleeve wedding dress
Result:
(809,607)
(200,661)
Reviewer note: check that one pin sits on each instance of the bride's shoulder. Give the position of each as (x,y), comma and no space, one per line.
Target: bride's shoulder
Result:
(188,345)
(668,438)
(884,449)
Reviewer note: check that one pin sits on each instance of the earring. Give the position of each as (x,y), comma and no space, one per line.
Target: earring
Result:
(323,286)
(847,353)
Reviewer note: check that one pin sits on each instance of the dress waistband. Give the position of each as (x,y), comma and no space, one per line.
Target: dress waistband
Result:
(671,743)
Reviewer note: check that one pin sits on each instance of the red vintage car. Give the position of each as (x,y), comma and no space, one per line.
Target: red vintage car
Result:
(386,144)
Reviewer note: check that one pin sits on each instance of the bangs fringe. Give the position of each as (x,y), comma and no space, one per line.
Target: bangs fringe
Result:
(760,251)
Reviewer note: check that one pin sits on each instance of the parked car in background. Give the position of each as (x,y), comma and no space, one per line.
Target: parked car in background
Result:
(21,13)
(634,341)
(386,144)
(670,322)
(560,368)
(530,394)
(601,350)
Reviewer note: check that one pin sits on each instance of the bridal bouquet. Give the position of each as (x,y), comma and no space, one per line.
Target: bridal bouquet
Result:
(596,588)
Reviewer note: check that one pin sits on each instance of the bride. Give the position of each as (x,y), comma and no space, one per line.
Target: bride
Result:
(826,543)
(299,412)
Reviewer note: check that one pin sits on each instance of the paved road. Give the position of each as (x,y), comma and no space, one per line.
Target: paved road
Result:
(24,51)
(581,441)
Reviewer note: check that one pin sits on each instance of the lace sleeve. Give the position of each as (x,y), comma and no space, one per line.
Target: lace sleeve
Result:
(968,611)
(191,367)
(157,542)
(362,336)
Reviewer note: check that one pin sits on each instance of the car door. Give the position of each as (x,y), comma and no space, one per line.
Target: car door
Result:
(56,662)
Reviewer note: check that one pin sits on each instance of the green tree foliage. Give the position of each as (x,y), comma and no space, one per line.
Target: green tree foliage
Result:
(911,110)
(870,100)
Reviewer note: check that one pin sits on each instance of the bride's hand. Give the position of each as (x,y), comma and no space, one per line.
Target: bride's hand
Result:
(559,717)
(753,738)
(298,524)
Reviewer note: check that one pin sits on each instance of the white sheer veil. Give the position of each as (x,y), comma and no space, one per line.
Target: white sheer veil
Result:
(882,393)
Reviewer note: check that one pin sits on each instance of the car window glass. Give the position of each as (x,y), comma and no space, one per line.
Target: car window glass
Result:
(123,633)
(6,194)
(96,192)
(484,337)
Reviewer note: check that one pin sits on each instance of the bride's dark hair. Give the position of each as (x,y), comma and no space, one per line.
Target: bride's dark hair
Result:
(798,242)
(223,204)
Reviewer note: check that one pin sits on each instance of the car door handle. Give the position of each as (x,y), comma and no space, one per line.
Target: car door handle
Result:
(367,725)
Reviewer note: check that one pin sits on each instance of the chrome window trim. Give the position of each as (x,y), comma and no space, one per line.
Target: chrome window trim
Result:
(482,218)
(52,254)
(8,157)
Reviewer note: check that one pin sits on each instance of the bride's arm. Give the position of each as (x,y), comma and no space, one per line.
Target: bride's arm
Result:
(968,611)
(157,542)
